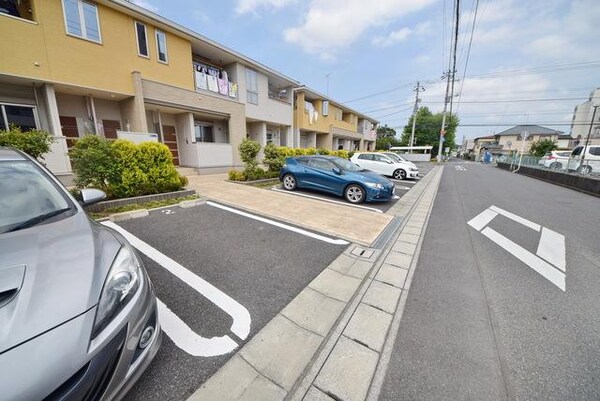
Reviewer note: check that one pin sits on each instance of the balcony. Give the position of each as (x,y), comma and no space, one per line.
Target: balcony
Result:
(215,81)
(280,94)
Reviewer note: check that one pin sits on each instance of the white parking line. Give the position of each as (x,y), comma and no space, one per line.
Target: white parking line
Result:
(181,334)
(328,200)
(280,225)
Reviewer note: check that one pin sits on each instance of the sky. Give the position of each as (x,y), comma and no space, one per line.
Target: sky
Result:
(530,61)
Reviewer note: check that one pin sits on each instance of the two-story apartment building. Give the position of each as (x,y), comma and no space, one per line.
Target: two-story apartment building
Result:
(514,139)
(111,68)
(323,123)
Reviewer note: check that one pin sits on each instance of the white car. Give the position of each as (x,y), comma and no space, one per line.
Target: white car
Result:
(385,165)
(555,160)
(591,161)
(399,159)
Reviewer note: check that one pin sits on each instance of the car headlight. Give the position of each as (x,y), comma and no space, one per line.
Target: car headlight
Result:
(374,185)
(121,284)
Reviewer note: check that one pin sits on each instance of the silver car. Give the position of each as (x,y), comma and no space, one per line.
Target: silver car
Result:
(78,318)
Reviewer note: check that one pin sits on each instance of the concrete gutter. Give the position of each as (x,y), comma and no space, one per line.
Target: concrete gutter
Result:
(329,339)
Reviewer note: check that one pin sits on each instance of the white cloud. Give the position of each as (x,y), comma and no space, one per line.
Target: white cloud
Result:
(424,28)
(392,37)
(331,25)
(145,4)
(252,6)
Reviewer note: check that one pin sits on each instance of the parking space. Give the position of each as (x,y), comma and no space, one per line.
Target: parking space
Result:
(220,275)
(402,187)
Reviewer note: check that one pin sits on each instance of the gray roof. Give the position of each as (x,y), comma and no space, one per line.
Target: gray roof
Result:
(531,129)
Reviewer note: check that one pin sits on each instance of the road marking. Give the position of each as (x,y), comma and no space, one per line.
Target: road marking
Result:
(460,168)
(372,209)
(518,219)
(404,181)
(551,246)
(280,225)
(174,327)
(545,269)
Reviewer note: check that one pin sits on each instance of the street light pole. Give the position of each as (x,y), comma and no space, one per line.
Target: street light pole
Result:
(587,139)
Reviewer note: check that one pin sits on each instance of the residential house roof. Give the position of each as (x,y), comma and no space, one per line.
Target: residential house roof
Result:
(315,94)
(531,129)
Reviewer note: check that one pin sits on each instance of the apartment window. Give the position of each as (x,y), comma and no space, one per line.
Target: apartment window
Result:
(251,87)
(142,40)
(325,110)
(21,116)
(203,133)
(81,19)
(161,47)
(17,8)
(338,114)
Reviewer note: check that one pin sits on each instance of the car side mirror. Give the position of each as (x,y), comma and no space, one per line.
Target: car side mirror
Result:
(337,170)
(89,196)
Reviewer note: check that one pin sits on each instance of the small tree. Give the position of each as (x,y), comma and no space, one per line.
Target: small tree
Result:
(541,147)
(35,142)
(249,150)
(94,163)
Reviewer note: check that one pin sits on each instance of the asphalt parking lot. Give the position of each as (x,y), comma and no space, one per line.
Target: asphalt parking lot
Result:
(402,187)
(256,269)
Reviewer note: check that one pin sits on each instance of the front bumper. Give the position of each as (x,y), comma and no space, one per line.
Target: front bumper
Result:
(413,174)
(380,195)
(63,364)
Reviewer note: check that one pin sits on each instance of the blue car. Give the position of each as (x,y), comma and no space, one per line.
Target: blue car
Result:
(336,176)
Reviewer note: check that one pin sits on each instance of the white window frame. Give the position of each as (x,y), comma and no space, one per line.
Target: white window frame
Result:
(204,124)
(29,106)
(137,39)
(82,22)
(158,33)
(253,91)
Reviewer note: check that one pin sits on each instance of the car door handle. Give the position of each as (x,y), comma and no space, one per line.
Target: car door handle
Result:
(11,280)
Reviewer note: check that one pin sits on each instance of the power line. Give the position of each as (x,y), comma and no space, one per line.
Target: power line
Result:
(512,100)
(549,124)
(378,93)
(391,114)
(462,82)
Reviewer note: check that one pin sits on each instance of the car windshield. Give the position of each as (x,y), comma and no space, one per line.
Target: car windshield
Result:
(346,165)
(28,197)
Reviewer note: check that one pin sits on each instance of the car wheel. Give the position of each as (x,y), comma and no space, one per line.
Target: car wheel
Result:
(354,193)
(556,166)
(289,182)
(399,174)
(584,170)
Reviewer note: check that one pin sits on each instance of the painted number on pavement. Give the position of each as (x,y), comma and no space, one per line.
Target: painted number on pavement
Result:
(181,334)
(550,257)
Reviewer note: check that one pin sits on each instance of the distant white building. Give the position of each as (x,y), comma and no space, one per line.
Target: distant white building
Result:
(582,117)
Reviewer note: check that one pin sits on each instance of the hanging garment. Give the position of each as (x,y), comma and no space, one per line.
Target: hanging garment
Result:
(308,106)
(233,88)
(223,83)
(200,75)
(212,83)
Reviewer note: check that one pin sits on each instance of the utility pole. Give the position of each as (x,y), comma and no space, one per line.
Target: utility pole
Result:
(449,76)
(415,111)
(581,169)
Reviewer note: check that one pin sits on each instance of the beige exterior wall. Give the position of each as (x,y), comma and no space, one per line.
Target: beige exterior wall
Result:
(190,101)
(43,50)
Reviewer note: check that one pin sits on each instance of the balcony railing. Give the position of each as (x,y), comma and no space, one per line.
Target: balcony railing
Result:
(214,80)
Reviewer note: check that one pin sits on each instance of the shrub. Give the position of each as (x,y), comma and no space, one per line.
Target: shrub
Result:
(124,169)
(248,151)
(344,154)
(235,175)
(93,163)
(274,157)
(35,142)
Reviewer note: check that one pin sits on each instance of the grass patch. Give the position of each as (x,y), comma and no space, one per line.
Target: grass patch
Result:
(135,206)
(266,184)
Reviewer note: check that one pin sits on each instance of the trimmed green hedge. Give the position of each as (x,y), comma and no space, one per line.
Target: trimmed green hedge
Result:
(35,142)
(124,169)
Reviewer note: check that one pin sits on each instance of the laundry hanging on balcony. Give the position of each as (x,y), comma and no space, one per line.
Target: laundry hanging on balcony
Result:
(200,74)
(212,82)
(223,83)
(233,89)
(312,113)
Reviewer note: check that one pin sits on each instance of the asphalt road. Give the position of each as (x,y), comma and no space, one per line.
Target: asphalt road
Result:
(261,266)
(402,187)
(479,323)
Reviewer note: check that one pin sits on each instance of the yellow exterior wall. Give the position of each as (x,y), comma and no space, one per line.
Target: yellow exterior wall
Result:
(323,123)
(71,60)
